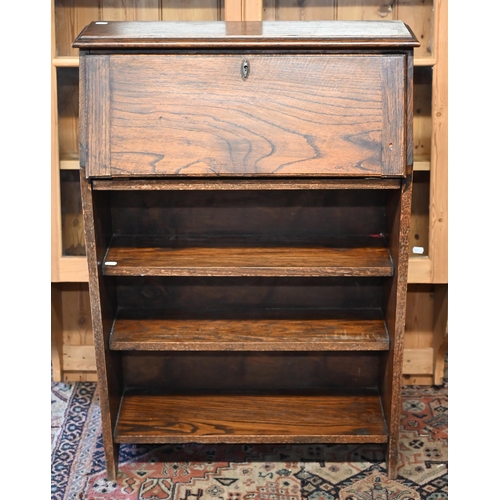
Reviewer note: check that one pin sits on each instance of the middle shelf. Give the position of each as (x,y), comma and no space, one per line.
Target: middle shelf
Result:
(253,330)
(163,256)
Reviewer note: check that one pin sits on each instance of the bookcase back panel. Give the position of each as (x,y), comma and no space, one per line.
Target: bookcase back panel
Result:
(306,217)
(71,16)
(247,297)
(247,372)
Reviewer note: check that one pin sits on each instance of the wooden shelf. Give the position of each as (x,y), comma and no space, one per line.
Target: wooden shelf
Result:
(241,184)
(425,61)
(69,162)
(242,418)
(143,256)
(419,269)
(65,62)
(356,330)
(72,269)
(422,163)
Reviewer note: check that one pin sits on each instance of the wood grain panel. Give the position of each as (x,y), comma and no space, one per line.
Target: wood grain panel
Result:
(394,114)
(317,35)
(395,306)
(426,331)
(252,10)
(233,11)
(419,317)
(276,122)
(418,361)
(438,250)
(80,376)
(71,16)
(76,317)
(271,331)
(366,10)
(192,10)
(78,358)
(299,10)
(130,10)
(419,16)
(157,257)
(210,418)
(96,106)
(174,184)
(102,306)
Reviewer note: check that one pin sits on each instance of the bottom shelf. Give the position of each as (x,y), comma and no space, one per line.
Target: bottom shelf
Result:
(250,418)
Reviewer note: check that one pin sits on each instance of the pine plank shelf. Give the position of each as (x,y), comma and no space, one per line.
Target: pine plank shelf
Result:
(136,256)
(272,331)
(241,418)
(69,162)
(65,62)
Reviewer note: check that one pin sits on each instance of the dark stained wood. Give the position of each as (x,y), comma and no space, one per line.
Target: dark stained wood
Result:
(399,211)
(82,111)
(141,256)
(253,34)
(295,115)
(394,305)
(251,371)
(210,184)
(240,418)
(409,111)
(393,134)
(102,306)
(247,297)
(272,331)
(95,128)
(252,218)
(247,237)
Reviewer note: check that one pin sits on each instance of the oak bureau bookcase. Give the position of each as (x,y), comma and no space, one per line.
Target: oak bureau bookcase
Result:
(246,190)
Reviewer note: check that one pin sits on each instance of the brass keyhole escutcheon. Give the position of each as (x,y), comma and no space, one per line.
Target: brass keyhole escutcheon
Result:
(245,69)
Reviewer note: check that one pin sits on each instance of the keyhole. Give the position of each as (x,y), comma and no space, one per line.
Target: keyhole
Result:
(245,69)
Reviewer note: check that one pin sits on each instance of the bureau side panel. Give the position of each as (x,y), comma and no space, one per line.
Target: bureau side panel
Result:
(394,116)
(96,103)
(288,115)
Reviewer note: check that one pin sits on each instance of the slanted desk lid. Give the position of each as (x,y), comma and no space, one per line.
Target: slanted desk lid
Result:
(251,34)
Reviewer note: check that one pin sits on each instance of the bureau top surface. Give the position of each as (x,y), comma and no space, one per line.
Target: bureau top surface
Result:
(249,34)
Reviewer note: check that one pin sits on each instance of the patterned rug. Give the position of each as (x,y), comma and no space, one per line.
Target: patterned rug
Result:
(248,472)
